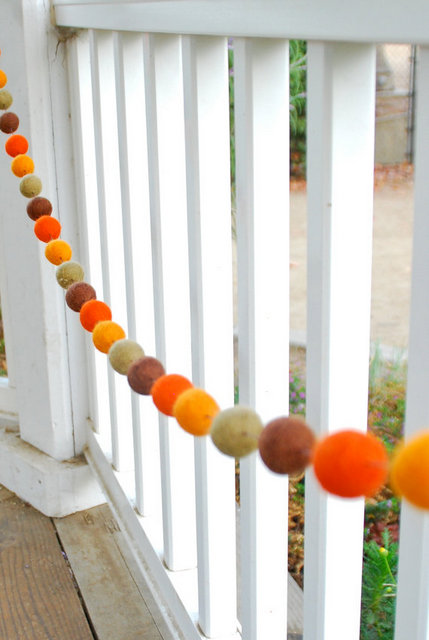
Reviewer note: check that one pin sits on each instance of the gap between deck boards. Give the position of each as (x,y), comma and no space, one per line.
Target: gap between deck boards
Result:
(70,578)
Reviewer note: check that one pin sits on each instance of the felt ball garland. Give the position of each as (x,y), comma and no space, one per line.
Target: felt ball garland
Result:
(346,463)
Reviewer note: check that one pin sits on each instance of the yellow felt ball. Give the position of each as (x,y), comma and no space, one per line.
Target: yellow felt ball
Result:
(409,471)
(194,410)
(105,334)
(22,165)
(3,79)
(58,251)
(30,186)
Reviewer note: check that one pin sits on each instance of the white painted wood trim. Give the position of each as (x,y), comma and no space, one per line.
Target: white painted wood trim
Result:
(262,175)
(365,21)
(412,605)
(340,116)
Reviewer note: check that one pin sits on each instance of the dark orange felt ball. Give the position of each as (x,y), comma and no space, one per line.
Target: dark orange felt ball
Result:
(143,373)
(16,144)
(350,463)
(79,293)
(38,207)
(92,312)
(286,445)
(167,389)
(9,122)
(47,228)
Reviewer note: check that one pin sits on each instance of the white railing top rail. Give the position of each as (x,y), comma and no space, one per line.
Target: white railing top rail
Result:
(334,20)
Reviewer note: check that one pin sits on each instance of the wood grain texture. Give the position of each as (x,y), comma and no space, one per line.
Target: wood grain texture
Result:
(38,599)
(114,602)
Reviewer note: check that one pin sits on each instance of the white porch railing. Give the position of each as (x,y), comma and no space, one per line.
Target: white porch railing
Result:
(148,99)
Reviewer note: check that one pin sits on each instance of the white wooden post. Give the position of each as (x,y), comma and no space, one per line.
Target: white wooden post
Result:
(261,70)
(412,608)
(340,149)
(205,74)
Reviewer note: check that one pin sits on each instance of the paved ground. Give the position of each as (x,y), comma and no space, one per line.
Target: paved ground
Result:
(392,245)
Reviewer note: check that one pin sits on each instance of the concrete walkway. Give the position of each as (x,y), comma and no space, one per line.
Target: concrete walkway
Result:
(391,273)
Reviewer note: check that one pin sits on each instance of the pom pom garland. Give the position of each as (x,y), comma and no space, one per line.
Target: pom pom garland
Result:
(58,251)
(47,228)
(79,293)
(15,145)
(30,186)
(69,272)
(105,334)
(346,463)
(123,353)
(9,122)
(92,312)
(39,207)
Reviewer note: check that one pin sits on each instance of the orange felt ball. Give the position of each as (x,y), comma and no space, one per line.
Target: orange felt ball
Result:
(58,251)
(194,410)
(409,473)
(22,165)
(350,463)
(105,333)
(16,144)
(47,228)
(92,312)
(167,389)
(3,79)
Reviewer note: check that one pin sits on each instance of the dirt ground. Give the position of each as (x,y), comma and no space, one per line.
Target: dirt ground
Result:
(392,247)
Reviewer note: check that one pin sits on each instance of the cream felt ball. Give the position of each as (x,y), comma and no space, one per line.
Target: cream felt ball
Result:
(123,353)
(5,99)
(68,273)
(30,186)
(236,431)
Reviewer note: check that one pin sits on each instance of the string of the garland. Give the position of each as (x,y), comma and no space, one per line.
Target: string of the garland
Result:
(346,463)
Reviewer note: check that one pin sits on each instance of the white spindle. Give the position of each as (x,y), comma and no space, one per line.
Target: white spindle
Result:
(111,235)
(166,148)
(262,173)
(412,608)
(205,67)
(341,87)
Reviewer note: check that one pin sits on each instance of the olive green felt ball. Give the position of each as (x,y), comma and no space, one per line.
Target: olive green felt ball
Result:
(5,99)
(236,431)
(123,353)
(30,186)
(68,273)
(79,293)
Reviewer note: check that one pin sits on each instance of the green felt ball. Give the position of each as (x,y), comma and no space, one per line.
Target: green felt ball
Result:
(5,99)
(30,186)
(236,431)
(68,273)
(123,353)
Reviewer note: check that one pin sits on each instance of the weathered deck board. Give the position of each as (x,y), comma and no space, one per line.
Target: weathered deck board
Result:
(112,598)
(38,599)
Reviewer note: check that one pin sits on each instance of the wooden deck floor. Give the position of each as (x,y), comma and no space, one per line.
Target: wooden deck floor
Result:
(70,579)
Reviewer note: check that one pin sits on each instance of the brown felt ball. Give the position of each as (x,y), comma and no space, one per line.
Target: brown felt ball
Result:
(235,431)
(123,353)
(143,373)
(38,207)
(5,99)
(69,272)
(286,445)
(9,122)
(30,186)
(79,293)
